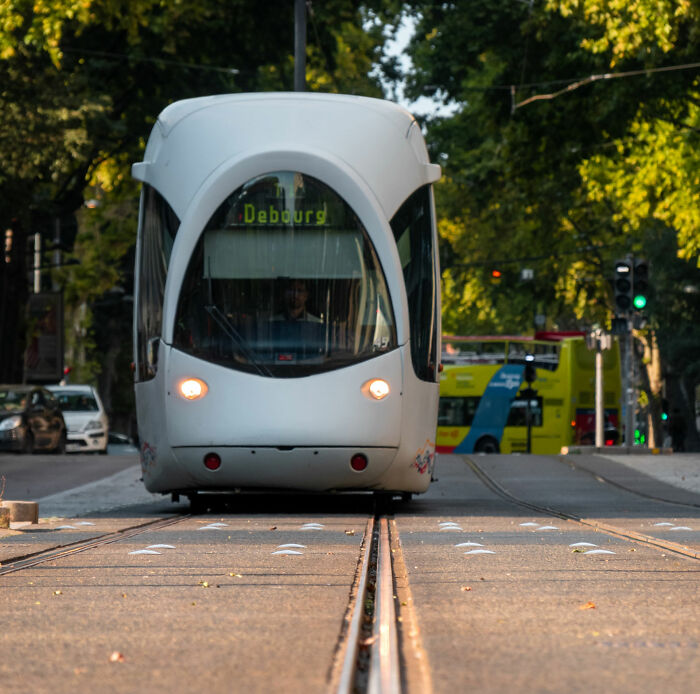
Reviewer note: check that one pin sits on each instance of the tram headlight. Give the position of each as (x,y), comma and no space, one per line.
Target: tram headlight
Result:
(192,388)
(376,389)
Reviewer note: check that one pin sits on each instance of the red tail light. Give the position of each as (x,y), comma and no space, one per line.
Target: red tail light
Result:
(212,461)
(358,462)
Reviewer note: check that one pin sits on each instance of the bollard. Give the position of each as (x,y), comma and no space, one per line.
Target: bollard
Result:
(22,511)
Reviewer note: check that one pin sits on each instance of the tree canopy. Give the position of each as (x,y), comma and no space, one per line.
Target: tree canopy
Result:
(574,142)
(82,84)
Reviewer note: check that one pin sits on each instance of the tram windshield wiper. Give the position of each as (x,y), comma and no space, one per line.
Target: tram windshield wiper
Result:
(229,329)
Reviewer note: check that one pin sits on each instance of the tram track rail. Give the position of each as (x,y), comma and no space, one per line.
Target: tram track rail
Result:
(382,653)
(373,610)
(607,480)
(621,533)
(370,645)
(26,561)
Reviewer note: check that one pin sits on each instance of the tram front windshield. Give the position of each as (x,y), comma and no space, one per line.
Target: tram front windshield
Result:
(284,282)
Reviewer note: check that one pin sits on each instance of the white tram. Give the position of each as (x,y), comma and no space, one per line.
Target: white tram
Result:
(287,302)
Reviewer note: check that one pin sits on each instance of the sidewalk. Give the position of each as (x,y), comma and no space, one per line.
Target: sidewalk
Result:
(681,470)
(119,490)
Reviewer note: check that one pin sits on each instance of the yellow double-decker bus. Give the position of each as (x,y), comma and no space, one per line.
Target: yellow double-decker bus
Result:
(485,401)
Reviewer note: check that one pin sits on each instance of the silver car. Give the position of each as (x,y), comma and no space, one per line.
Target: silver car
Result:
(85,416)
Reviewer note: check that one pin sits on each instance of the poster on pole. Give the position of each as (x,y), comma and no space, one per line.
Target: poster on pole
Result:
(43,357)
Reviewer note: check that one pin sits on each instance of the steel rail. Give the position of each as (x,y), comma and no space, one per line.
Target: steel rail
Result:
(591,523)
(601,478)
(28,560)
(384,674)
(347,675)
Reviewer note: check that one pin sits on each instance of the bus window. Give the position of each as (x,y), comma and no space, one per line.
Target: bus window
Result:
(457,412)
(517,417)
(517,351)
(546,356)
(474,352)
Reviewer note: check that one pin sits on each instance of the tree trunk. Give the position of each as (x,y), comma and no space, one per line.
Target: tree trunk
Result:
(652,382)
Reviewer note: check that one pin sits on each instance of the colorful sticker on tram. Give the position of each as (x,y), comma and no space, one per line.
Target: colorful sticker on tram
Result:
(425,458)
(148,456)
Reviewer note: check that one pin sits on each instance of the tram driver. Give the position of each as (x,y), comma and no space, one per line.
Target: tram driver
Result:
(294,300)
(297,333)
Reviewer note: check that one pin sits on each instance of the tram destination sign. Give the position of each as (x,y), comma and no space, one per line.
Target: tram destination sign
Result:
(271,215)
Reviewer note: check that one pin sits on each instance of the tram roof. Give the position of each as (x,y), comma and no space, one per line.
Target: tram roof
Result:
(374,138)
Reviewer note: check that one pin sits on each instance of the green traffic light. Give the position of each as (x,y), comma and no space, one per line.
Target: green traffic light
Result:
(640,301)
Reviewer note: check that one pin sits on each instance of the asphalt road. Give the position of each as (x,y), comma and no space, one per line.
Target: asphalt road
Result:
(31,477)
(536,614)
(523,608)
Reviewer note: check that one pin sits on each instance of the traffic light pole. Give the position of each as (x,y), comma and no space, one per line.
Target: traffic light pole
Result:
(630,287)
(599,399)
(629,387)
(599,341)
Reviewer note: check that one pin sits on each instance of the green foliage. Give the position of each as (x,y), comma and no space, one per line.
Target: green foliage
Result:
(631,28)
(564,184)
(547,169)
(83,82)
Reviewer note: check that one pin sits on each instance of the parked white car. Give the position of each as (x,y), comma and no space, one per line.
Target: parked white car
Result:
(85,416)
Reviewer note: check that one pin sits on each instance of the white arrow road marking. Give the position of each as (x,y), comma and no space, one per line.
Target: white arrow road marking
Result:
(65,527)
(480,551)
(144,551)
(547,527)
(213,526)
(287,551)
(583,544)
(312,526)
(291,544)
(469,544)
(85,523)
(656,525)
(681,527)
(599,551)
(160,547)
(531,525)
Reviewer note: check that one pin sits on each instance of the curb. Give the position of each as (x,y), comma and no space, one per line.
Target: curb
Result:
(615,450)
